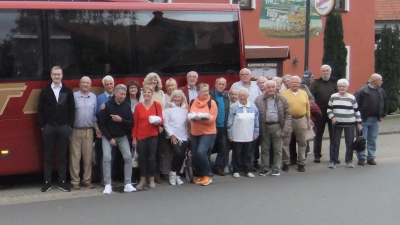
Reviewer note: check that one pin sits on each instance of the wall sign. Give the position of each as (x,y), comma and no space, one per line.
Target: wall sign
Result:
(324,7)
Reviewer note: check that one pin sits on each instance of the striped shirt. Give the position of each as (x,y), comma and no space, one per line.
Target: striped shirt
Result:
(344,109)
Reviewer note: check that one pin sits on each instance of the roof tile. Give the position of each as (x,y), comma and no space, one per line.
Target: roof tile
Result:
(387,10)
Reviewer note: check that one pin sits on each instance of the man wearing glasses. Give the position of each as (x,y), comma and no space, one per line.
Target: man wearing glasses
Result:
(56,115)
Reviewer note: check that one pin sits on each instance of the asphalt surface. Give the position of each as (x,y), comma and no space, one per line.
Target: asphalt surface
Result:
(363,195)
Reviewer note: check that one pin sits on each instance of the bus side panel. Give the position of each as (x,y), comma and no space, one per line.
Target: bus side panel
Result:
(22,139)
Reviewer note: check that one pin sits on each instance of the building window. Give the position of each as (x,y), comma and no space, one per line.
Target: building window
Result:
(342,5)
(245,4)
(348,63)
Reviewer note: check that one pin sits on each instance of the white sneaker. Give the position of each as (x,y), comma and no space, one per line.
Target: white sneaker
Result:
(236,175)
(349,165)
(178,180)
(172,178)
(107,189)
(250,175)
(332,165)
(129,188)
(226,170)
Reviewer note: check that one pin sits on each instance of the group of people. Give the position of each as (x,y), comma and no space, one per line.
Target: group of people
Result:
(273,115)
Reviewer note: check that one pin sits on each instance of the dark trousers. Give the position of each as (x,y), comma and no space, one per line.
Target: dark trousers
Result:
(220,147)
(319,129)
(55,137)
(348,137)
(179,150)
(147,149)
(241,156)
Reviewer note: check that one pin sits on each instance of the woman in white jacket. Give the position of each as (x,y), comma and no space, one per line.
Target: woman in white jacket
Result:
(175,125)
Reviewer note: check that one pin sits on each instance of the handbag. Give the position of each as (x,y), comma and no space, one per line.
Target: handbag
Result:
(160,149)
(310,134)
(359,143)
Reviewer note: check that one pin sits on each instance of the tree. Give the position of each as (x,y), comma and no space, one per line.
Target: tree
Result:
(387,63)
(335,51)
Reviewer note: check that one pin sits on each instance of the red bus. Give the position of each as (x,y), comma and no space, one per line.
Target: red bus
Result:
(124,39)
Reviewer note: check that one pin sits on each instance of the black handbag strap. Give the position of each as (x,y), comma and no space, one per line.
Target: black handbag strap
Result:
(155,106)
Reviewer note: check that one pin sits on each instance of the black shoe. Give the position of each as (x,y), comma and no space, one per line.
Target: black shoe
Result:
(257,166)
(371,162)
(263,173)
(301,168)
(285,168)
(276,173)
(337,162)
(62,185)
(292,163)
(361,162)
(317,160)
(46,187)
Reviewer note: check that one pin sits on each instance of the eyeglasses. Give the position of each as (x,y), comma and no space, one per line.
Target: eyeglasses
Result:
(56,74)
(132,87)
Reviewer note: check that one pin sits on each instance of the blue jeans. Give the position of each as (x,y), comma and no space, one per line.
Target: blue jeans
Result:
(370,133)
(200,146)
(123,146)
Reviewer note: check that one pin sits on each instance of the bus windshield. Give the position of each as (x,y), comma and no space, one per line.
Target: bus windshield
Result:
(100,42)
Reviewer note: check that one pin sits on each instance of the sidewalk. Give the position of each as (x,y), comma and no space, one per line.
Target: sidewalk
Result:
(28,188)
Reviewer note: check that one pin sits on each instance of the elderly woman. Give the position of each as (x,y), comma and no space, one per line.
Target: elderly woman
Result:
(175,125)
(233,96)
(154,81)
(278,82)
(171,86)
(134,94)
(203,131)
(343,111)
(242,130)
(145,135)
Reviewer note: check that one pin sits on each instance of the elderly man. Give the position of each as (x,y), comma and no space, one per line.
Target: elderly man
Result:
(81,143)
(261,83)
(322,89)
(275,121)
(301,122)
(116,122)
(190,89)
(245,76)
(220,145)
(108,84)
(243,129)
(286,82)
(372,103)
(56,115)
(278,81)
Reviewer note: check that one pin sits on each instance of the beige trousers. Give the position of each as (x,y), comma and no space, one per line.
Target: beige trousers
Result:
(81,147)
(299,127)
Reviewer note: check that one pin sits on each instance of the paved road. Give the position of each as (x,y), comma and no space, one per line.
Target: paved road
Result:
(365,195)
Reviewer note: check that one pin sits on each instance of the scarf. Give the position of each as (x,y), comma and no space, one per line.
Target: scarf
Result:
(201,103)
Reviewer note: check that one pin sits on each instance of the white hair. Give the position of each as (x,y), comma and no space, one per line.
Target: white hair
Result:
(296,77)
(108,77)
(120,87)
(287,76)
(343,81)
(197,75)
(244,90)
(325,65)
(179,92)
(271,82)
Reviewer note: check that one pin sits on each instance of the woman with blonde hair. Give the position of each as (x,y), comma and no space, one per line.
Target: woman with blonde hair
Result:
(154,81)
(170,85)
(145,135)
(175,125)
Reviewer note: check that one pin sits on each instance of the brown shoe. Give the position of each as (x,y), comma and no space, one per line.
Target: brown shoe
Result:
(113,183)
(88,185)
(219,171)
(371,162)
(361,162)
(157,178)
(253,169)
(76,186)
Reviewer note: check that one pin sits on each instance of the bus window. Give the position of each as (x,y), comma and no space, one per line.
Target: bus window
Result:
(20,44)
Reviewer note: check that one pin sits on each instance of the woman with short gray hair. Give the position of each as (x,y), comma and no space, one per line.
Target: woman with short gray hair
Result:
(343,111)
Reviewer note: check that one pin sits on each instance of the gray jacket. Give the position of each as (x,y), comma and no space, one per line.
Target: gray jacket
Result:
(284,116)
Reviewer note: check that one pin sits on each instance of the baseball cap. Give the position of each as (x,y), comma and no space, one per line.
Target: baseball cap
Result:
(307,76)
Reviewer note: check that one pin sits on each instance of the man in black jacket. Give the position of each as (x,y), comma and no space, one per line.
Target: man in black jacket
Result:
(372,103)
(322,89)
(221,140)
(56,115)
(116,122)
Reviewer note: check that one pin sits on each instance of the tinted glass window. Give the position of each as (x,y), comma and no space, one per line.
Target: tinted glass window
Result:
(100,42)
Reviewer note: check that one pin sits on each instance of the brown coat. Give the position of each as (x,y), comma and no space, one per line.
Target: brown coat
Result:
(284,116)
(185,90)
